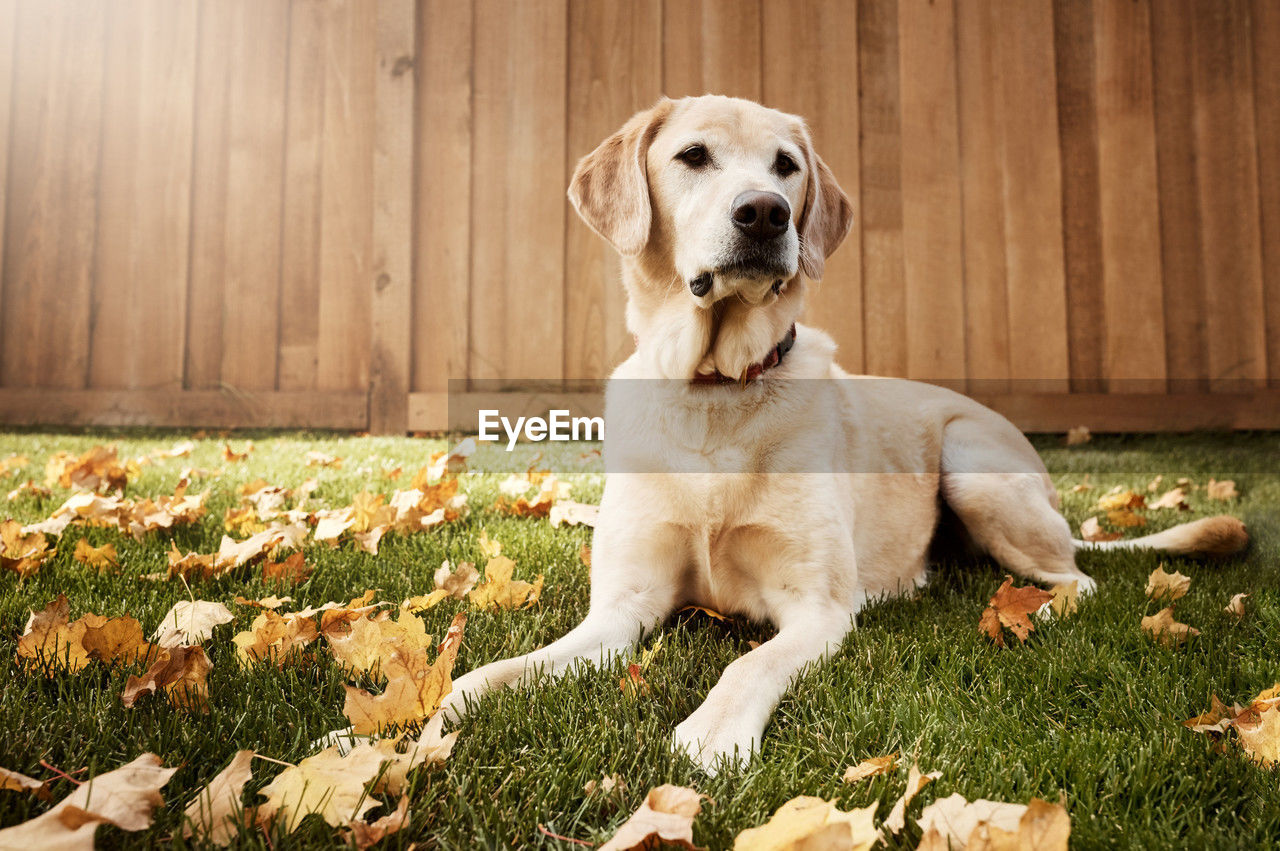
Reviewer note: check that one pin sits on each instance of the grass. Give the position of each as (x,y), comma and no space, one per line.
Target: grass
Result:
(1088,709)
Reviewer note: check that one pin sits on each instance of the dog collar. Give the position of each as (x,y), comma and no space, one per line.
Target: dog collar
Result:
(772,359)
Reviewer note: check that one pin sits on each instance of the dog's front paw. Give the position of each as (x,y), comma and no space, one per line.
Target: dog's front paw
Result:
(713,749)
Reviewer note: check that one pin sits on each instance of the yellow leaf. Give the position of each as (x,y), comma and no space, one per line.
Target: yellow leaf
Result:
(490,548)
(1119,500)
(414,687)
(216,814)
(1167,586)
(1163,628)
(666,816)
(273,637)
(22,553)
(363,834)
(1175,498)
(955,821)
(371,641)
(916,781)
(1091,530)
(1261,742)
(1065,598)
(103,557)
(870,768)
(808,822)
(1236,606)
(191,622)
(500,590)
(328,784)
(1125,518)
(1224,490)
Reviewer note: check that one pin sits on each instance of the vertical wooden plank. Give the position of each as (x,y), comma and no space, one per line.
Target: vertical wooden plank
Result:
(346,204)
(209,169)
(1075,57)
(1033,199)
(712,47)
(879,115)
(1266,88)
(1128,198)
(51,224)
(518,202)
(8,20)
(1227,172)
(139,297)
(1182,264)
(299,357)
(391,289)
(933,254)
(442,194)
(986,310)
(811,70)
(615,69)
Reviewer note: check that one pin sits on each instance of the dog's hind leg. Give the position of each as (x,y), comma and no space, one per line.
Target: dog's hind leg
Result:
(996,484)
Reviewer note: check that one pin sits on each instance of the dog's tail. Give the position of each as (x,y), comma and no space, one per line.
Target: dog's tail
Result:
(1219,536)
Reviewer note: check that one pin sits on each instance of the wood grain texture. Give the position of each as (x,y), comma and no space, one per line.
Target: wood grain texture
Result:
(144,197)
(391,286)
(8,24)
(811,70)
(1182,257)
(1227,174)
(518,205)
(443,135)
(183,408)
(1129,197)
(615,70)
(712,47)
(51,222)
(1033,200)
(932,240)
(884,304)
(986,308)
(1265,28)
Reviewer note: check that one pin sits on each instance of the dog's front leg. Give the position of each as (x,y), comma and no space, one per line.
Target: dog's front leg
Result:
(729,723)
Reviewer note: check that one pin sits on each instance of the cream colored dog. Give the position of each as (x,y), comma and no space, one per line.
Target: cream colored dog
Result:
(739,485)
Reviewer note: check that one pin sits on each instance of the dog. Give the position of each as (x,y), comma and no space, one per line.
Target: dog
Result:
(747,472)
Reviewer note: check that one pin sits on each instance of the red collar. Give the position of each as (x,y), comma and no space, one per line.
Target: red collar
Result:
(772,359)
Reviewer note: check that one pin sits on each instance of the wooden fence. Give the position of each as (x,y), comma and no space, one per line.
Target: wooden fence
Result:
(263,212)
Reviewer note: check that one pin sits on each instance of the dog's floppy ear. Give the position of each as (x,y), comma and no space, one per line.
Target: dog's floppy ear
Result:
(610,186)
(827,215)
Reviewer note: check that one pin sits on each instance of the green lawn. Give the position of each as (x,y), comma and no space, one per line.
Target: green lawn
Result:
(1088,708)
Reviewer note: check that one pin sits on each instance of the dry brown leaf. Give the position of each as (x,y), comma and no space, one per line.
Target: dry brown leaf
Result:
(814,825)
(370,641)
(272,637)
(98,469)
(1216,720)
(501,591)
(414,687)
(29,486)
(363,834)
(1175,498)
(216,814)
(191,565)
(191,622)
(292,571)
(20,551)
(370,510)
(50,642)
(489,548)
(1078,435)
(1091,530)
(953,822)
(1125,519)
(711,613)
(124,797)
(666,816)
(1118,500)
(181,672)
(114,641)
(1010,608)
(1261,741)
(18,782)
(316,458)
(1167,586)
(328,784)
(1066,597)
(607,785)
(1040,827)
(102,558)
(231,455)
(916,781)
(1223,491)
(1236,606)
(1163,628)
(870,768)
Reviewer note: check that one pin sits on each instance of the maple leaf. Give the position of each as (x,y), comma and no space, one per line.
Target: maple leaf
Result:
(1223,491)
(449,582)
(916,781)
(1119,499)
(216,814)
(428,749)
(1236,606)
(954,823)
(21,552)
(370,641)
(124,797)
(540,506)
(292,571)
(808,822)
(365,834)
(501,591)
(666,816)
(316,458)
(181,672)
(102,558)
(242,521)
(870,768)
(1009,608)
(489,548)
(369,510)
(1163,628)
(191,565)
(98,469)
(29,486)
(1167,586)
(114,641)
(1175,498)
(328,784)
(711,613)
(272,637)
(231,455)
(1261,741)
(1216,720)
(414,688)
(191,622)
(1066,596)
(51,642)
(18,782)
(271,602)
(1125,518)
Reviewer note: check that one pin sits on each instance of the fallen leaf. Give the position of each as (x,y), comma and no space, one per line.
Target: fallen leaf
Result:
(1261,741)
(812,823)
(272,637)
(328,784)
(124,797)
(1175,498)
(1078,435)
(1163,628)
(315,458)
(29,486)
(711,613)
(370,641)
(1215,720)
(365,834)
(501,591)
(1066,596)
(1223,491)
(216,814)
(490,548)
(1154,484)
(1125,519)
(916,781)
(231,455)
(584,554)
(870,768)
(98,469)
(50,642)
(114,641)
(1009,608)
(1118,500)
(191,622)
(414,687)
(1236,606)
(20,551)
(18,782)
(292,571)
(955,821)
(181,672)
(1167,586)
(606,785)
(1091,530)
(569,513)
(12,463)
(666,816)
(102,558)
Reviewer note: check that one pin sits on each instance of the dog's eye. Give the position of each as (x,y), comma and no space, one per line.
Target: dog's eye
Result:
(694,156)
(784,165)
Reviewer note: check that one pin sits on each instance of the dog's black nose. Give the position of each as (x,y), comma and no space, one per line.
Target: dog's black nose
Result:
(761,215)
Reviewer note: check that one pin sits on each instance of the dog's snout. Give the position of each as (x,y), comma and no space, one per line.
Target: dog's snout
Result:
(761,215)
